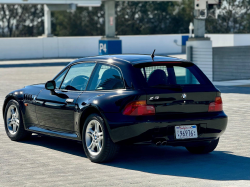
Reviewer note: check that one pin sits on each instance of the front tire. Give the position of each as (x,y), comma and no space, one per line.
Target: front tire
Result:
(204,149)
(13,122)
(97,143)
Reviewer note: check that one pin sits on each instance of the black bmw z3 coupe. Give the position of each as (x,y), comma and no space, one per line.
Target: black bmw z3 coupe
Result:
(106,101)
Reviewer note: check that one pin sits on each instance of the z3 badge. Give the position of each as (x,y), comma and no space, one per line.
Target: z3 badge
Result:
(154,98)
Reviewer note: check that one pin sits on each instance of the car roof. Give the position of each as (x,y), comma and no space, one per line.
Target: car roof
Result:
(133,58)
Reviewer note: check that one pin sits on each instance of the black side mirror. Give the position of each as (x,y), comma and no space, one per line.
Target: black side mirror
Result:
(50,85)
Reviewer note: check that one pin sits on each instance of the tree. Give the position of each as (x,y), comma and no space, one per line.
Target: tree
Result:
(233,17)
(21,20)
(153,17)
(82,22)
(132,18)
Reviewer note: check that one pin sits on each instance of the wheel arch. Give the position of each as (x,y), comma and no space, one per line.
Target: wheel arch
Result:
(88,111)
(21,107)
(6,102)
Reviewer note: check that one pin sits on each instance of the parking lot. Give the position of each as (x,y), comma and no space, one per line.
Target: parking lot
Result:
(45,161)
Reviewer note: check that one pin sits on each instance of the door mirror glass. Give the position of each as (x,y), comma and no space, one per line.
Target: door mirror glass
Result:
(50,85)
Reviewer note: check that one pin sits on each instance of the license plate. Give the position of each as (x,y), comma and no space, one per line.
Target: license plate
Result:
(186,132)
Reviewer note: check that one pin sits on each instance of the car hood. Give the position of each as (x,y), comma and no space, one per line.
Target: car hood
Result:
(41,85)
(34,89)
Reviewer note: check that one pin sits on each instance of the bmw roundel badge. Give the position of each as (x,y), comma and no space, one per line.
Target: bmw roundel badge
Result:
(184,96)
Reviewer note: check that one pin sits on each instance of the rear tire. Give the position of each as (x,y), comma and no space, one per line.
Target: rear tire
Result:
(204,149)
(13,122)
(97,143)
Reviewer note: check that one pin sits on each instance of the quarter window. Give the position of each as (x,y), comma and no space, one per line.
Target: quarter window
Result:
(106,78)
(78,77)
(184,76)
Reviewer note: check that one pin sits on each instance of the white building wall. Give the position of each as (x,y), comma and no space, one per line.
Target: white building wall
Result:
(203,56)
(63,47)
(241,39)
(221,40)
(50,47)
(19,48)
(145,44)
(57,47)
(77,46)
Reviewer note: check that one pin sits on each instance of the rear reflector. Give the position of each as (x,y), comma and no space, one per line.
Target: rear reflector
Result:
(139,108)
(216,106)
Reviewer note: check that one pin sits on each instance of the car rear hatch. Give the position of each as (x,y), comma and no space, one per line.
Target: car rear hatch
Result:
(177,88)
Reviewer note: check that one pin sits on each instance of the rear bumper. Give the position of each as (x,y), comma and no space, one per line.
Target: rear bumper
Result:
(209,128)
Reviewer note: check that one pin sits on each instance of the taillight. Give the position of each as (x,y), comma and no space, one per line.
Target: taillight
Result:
(139,108)
(215,106)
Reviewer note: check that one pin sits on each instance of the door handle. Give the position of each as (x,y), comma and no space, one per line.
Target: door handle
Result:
(69,100)
(53,104)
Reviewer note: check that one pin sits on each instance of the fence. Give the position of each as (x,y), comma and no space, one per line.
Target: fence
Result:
(231,63)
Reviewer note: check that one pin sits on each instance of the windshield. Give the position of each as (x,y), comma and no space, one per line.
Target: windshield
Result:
(173,76)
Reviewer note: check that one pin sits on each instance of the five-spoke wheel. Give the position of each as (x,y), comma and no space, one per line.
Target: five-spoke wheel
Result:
(97,143)
(13,122)
(94,137)
(12,119)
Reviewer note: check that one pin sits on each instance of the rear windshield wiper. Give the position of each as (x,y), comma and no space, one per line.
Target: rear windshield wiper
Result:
(170,87)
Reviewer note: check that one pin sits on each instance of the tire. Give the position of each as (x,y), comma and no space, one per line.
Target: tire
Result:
(204,149)
(13,122)
(97,143)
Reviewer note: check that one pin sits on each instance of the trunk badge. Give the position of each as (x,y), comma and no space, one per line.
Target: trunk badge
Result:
(154,98)
(184,96)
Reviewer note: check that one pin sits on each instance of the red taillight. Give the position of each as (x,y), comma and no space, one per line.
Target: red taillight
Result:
(215,106)
(139,108)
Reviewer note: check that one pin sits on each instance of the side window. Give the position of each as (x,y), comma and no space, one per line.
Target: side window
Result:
(59,79)
(184,76)
(78,76)
(106,78)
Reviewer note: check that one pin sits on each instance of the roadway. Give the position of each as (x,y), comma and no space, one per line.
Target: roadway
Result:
(45,161)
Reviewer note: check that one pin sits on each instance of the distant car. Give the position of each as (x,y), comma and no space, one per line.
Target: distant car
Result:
(106,101)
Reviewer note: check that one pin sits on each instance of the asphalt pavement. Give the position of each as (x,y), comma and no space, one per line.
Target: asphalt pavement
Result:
(46,161)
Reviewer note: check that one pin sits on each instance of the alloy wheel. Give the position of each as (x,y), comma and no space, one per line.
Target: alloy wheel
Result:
(94,137)
(12,119)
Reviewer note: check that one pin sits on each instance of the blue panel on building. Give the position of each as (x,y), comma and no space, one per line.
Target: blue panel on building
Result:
(184,40)
(108,47)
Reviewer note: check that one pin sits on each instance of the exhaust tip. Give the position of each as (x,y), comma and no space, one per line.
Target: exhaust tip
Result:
(164,143)
(158,143)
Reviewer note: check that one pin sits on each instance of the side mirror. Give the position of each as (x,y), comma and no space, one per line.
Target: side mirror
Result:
(50,85)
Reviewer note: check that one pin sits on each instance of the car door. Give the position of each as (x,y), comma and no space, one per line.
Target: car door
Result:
(55,110)
(105,82)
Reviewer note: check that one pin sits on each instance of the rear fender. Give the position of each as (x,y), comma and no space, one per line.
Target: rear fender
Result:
(82,115)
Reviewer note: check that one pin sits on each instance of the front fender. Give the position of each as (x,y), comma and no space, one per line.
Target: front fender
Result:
(16,95)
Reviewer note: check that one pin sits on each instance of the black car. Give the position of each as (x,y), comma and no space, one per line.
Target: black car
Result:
(106,101)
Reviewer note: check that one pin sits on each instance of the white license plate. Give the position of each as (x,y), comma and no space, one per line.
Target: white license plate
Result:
(186,132)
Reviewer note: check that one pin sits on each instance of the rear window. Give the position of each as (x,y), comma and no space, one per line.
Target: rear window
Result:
(166,75)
